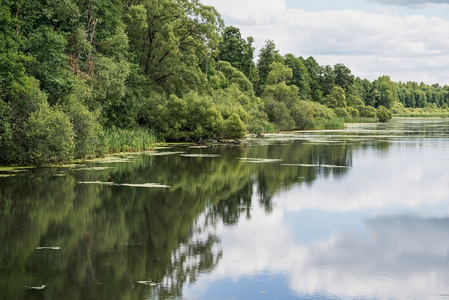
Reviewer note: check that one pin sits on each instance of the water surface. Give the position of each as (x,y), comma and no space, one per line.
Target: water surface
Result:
(360,213)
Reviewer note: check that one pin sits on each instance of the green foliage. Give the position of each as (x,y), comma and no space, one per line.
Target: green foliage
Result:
(336,98)
(235,50)
(128,140)
(353,100)
(279,73)
(383,114)
(49,136)
(279,114)
(342,112)
(89,133)
(367,111)
(234,127)
(353,112)
(308,114)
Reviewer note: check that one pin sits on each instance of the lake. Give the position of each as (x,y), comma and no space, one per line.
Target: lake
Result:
(360,213)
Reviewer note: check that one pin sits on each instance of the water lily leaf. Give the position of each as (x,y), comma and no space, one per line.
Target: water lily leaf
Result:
(48,248)
(201,155)
(259,160)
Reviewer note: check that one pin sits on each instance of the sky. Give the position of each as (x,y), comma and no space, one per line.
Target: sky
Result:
(407,40)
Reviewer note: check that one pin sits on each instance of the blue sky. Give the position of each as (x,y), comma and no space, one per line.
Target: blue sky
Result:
(407,40)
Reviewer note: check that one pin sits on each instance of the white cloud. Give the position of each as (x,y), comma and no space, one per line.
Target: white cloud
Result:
(410,47)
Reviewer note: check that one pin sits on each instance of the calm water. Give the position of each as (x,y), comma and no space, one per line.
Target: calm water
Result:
(361,213)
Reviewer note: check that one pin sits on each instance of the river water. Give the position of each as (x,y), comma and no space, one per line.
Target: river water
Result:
(360,213)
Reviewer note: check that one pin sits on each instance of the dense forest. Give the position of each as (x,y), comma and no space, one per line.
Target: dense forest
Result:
(74,73)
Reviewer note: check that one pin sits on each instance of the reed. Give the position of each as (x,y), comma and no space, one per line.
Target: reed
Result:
(129,140)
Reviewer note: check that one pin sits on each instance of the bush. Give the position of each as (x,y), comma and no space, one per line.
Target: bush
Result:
(89,133)
(383,114)
(353,112)
(50,136)
(342,113)
(279,114)
(366,111)
(234,127)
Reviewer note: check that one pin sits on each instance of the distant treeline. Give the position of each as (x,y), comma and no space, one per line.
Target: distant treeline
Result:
(71,72)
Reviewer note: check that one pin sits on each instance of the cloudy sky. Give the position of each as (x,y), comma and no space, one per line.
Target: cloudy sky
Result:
(405,39)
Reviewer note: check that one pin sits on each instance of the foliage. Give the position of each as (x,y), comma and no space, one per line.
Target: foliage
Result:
(171,67)
(88,132)
(383,114)
(49,136)
(126,140)
(366,111)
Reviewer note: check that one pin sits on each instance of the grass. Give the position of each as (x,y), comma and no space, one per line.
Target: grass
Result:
(361,120)
(126,140)
(335,123)
(423,115)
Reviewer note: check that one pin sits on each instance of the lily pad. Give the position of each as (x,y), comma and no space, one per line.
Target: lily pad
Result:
(97,182)
(146,282)
(93,169)
(48,248)
(36,288)
(200,155)
(145,185)
(259,160)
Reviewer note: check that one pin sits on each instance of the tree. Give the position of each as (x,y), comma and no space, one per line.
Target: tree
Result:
(384,92)
(177,36)
(336,98)
(235,50)
(301,77)
(268,55)
(343,77)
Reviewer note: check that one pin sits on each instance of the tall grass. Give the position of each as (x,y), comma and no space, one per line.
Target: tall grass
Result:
(334,123)
(423,115)
(361,120)
(129,140)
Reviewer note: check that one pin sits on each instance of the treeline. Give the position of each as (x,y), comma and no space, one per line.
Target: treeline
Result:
(72,72)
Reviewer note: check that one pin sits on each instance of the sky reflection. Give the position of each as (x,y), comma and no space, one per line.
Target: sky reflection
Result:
(380,231)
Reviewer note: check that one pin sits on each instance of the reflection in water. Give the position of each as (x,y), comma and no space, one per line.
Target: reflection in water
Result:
(355,213)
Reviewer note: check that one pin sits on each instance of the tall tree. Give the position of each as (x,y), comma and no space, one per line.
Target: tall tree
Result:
(301,77)
(177,36)
(237,51)
(268,55)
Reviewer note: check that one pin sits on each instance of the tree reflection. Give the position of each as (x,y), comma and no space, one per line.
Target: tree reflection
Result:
(111,237)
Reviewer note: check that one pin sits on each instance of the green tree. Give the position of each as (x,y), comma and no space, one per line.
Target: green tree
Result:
(336,98)
(343,77)
(268,55)
(237,51)
(301,77)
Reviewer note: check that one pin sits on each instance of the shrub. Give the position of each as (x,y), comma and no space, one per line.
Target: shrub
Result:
(342,112)
(383,114)
(353,112)
(234,127)
(366,111)
(50,136)
(88,131)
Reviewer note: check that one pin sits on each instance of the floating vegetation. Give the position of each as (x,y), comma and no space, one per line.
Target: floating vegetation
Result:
(143,185)
(7,175)
(154,153)
(259,160)
(97,182)
(200,155)
(309,165)
(147,282)
(93,169)
(48,248)
(36,288)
